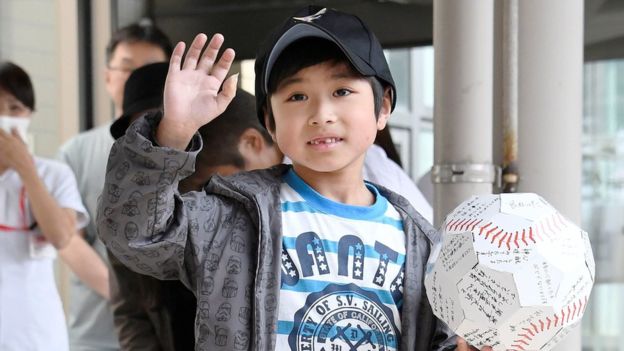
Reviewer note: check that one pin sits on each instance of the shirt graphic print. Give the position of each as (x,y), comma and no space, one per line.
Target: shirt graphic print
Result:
(342,272)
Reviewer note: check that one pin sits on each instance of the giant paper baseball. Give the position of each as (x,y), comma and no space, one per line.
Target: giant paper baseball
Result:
(510,272)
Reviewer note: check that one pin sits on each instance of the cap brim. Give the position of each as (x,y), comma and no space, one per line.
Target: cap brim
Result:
(308,30)
(118,128)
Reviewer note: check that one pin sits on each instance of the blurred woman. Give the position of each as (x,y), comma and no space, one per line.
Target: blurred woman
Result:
(40,210)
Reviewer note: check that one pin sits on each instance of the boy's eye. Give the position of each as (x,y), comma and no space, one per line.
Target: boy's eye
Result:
(297,97)
(342,92)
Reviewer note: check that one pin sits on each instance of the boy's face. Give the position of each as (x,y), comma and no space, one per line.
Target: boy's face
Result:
(325,119)
(126,58)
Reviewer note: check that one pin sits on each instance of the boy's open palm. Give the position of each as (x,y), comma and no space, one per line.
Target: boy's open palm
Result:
(193,94)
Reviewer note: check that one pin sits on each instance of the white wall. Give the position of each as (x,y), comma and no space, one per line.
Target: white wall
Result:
(33,36)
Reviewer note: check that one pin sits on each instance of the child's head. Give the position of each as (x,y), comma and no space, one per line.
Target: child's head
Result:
(308,52)
(233,142)
(143,93)
(17,96)
(316,35)
(323,89)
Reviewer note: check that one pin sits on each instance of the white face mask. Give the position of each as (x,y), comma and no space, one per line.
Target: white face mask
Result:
(7,123)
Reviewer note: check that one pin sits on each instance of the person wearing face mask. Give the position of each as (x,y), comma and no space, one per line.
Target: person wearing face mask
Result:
(40,210)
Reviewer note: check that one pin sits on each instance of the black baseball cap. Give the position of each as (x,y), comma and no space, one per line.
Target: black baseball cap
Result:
(143,91)
(347,31)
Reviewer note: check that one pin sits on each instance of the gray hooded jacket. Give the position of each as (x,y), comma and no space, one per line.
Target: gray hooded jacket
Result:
(224,243)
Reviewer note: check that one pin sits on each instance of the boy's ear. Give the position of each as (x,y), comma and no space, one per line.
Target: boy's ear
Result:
(267,124)
(386,109)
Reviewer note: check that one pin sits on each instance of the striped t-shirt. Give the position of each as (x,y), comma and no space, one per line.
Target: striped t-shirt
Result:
(342,272)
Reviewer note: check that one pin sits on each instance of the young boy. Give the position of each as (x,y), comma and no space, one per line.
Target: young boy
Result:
(308,257)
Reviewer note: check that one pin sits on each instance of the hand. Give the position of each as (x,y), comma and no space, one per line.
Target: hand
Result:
(462,345)
(192,97)
(14,153)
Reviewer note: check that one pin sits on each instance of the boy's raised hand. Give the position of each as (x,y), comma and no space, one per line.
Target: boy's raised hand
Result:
(192,95)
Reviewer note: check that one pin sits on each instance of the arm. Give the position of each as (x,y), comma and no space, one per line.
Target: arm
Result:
(56,224)
(146,224)
(82,259)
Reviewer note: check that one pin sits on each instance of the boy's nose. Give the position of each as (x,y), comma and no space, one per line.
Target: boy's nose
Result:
(322,113)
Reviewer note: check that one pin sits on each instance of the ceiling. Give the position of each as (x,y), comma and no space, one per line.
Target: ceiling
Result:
(604,29)
(397,23)
(245,23)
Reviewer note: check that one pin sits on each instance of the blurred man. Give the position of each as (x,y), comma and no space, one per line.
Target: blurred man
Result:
(90,316)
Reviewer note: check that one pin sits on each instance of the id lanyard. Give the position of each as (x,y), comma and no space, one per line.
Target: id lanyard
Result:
(22,209)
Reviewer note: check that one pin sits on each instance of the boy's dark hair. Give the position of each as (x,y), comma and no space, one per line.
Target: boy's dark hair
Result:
(308,52)
(348,32)
(220,137)
(144,31)
(16,81)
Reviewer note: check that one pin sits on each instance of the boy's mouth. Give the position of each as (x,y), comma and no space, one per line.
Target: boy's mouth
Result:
(324,141)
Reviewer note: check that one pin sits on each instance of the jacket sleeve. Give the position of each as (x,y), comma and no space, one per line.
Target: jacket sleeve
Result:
(134,327)
(444,339)
(142,218)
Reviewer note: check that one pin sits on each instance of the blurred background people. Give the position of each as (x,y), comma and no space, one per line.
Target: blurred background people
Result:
(40,211)
(90,316)
(149,314)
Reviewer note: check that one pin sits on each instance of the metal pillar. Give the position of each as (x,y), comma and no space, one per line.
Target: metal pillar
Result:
(463,42)
(550,107)
(506,91)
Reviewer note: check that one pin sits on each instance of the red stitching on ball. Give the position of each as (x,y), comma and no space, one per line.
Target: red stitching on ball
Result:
(483,228)
(549,321)
(568,319)
(495,235)
(475,224)
(500,242)
(490,232)
(448,224)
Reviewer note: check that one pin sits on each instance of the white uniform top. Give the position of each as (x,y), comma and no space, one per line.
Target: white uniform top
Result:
(31,314)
